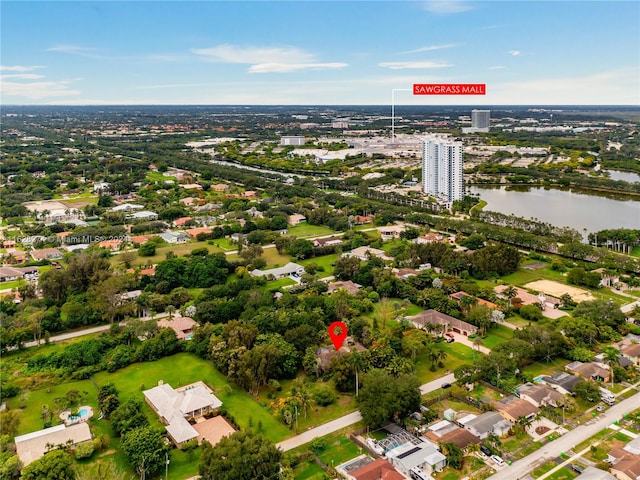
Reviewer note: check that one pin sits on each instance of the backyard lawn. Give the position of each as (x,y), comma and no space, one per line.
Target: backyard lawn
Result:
(497,334)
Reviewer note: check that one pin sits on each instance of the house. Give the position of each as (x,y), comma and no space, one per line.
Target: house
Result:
(207,207)
(249,194)
(460,437)
(539,395)
(489,423)
(513,409)
(34,445)
(9,274)
(182,221)
(480,301)
(183,326)
(13,255)
(127,207)
(46,254)
(633,447)
(417,461)
(366,253)
(296,219)
(607,279)
(101,186)
(593,473)
(632,352)
(191,186)
(289,270)
(140,239)
(589,371)
(194,232)
(176,406)
(362,219)
(627,468)
(391,232)
(379,469)
(188,201)
(347,285)
(174,238)
(253,212)
(563,382)
(219,187)
(434,317)
(110,244)
(324,355)
(405,273)
(143,215)
(326,242)
(430,238)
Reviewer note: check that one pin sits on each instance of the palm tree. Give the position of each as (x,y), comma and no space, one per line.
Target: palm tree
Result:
(612,358)
(357,362)
(442,356)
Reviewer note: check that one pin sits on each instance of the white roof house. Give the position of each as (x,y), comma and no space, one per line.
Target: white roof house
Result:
(127,207)
(280,272)
(175,406)
(33,446)
(422,459)
(364,253)
(144,215)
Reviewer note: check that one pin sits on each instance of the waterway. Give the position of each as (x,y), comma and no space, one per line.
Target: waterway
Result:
(563,207)
(626,176)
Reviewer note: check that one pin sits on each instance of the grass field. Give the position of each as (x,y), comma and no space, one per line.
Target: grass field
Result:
(497,334)
(161,253)
(306,230)
(327,263)
(635,252)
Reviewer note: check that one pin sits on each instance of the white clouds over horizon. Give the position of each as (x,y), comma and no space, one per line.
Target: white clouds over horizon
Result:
(445,7)
(414,65)
(266,59)
(431,48)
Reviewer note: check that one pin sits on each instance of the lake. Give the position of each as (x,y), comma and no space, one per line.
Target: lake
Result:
(626,176)
(563,207)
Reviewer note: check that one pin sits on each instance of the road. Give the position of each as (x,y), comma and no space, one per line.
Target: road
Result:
(349,419)
(87,331)
(526,465)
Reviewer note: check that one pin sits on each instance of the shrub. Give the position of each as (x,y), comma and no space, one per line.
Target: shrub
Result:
(324,396)
(85,450)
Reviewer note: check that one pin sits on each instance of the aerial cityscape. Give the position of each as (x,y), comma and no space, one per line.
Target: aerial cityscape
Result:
(364,240)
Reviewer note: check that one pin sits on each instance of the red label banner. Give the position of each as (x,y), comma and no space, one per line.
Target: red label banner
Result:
(449,88)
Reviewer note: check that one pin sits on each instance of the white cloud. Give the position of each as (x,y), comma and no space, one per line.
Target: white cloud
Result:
(75,50)
(266,59)
(292,67)
(497,67)
(22,76)
(37,90)
(444,7)
(431,48)
(254,55)
(19,68)
(415,65)
(514,53)
(619,87)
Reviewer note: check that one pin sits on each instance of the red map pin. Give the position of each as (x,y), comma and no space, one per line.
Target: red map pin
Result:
(337,338)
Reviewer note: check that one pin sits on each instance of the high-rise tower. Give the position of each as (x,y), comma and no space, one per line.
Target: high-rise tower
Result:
(480,120)
(442,168)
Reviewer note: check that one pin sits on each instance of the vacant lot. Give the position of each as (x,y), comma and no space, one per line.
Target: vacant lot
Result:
(558,289)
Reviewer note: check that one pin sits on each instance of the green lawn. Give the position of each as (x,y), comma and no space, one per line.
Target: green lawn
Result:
(12,285)
(278,284)
(546,368)
(306,230)
(339,450)
(274,259)
(161,253)
(635,252)
(184,368)
(309,470)
(497,334)
(327,263)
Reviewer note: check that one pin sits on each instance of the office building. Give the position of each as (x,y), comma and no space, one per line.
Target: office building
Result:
(294,140)
(480,120)
(442,170)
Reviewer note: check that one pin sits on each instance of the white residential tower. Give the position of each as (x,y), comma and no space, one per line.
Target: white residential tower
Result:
(442,171)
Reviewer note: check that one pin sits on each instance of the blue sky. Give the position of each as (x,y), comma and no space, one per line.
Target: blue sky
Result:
(318,52)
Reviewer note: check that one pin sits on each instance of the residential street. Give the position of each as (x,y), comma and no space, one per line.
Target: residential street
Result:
(524,466)
(349,419)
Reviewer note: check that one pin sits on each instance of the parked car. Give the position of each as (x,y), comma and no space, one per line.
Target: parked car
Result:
(449,337)
(577,468)
(486,450)
(600,408)
(497,460)
(446,385)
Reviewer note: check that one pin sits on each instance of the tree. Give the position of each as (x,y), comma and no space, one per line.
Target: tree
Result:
(587,391)
(244,455)
(611,358)
(55,465)
(384,397)
(145,450)
(108,400)
(148,249)
(454,454)
(128,416)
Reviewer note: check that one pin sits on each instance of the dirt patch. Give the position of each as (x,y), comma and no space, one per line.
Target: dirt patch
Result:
(534,266)
(542,430)
(558,289)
